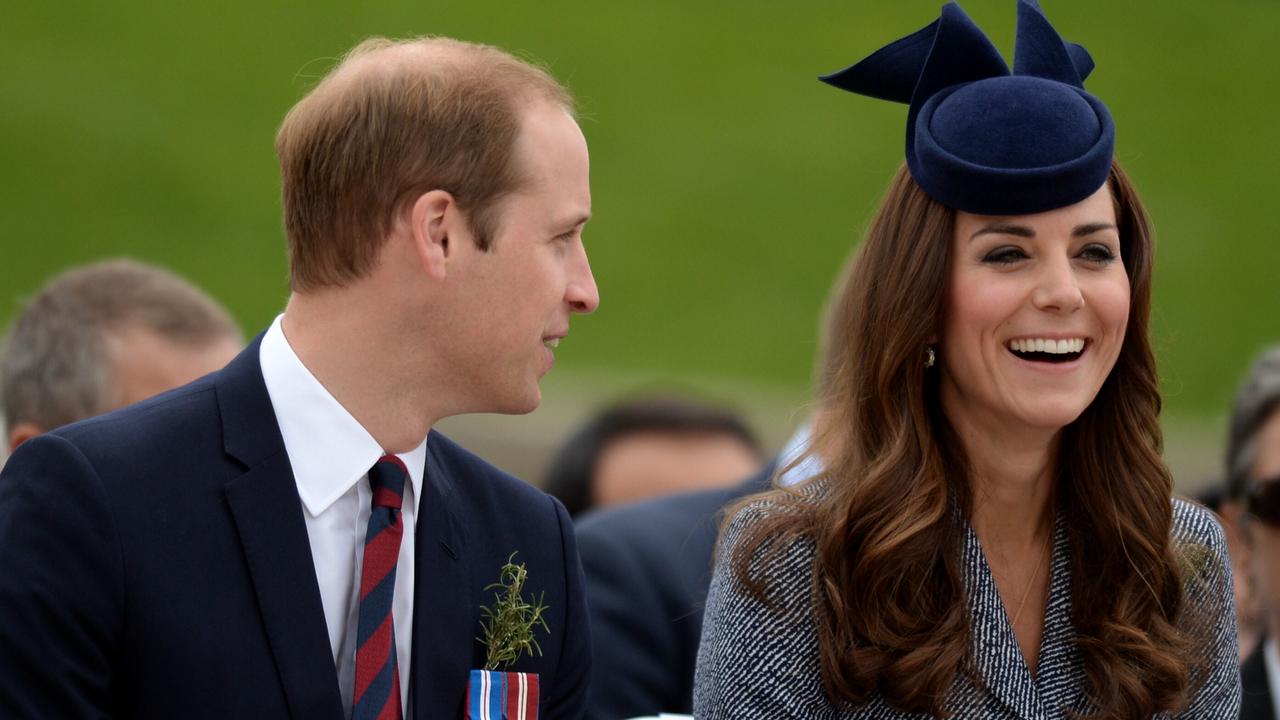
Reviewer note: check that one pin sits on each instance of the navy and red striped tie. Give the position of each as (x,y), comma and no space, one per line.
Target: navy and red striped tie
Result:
(377,691)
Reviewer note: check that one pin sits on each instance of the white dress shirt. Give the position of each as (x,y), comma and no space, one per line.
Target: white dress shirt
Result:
(331,453)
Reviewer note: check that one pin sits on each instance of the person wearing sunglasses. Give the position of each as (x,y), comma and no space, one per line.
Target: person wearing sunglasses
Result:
(1253,479)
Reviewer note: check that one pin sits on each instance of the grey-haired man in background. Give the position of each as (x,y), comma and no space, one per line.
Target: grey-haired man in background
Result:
(101,336)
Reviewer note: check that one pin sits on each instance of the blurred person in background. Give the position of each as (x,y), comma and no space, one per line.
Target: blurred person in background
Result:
(1230,513)
(652,446)
(106,335)
(1253,486)
(648,566)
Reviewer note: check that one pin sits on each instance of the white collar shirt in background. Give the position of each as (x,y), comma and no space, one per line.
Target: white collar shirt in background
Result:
(331,453)
(1271,654)
(811,466)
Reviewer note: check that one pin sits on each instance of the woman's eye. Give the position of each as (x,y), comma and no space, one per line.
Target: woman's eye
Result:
(1100,254)
(1004,256)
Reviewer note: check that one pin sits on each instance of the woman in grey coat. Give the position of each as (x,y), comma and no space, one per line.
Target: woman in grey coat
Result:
(994,534)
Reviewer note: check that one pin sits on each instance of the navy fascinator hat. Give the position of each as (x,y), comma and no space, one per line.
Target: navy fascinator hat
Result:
(982,139)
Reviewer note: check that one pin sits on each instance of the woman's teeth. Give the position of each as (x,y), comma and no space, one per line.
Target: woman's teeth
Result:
(1053,347)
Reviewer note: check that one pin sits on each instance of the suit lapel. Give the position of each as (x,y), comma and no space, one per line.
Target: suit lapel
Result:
(444,619)
(268,516)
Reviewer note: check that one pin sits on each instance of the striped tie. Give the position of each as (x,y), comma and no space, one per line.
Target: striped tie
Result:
(377,692)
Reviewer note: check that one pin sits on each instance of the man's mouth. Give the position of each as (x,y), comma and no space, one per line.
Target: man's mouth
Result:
(1049,350)
(552,342)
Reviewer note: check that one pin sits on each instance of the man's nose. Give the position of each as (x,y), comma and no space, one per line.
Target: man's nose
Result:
(582,294)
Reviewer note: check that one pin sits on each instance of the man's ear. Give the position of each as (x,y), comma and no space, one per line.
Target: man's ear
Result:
(432,220)
(21,433)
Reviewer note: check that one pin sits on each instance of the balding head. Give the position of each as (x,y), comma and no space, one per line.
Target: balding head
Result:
(394,120)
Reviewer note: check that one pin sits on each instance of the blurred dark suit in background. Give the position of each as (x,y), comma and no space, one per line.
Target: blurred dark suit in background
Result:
(648,567)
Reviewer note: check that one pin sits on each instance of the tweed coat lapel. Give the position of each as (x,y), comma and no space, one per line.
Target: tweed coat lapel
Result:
(995,648)
(1059,669)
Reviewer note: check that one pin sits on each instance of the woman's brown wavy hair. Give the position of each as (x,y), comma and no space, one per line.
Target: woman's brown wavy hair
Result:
(889,591)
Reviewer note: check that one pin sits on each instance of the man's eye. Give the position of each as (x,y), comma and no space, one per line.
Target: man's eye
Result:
(1004,256)
(1100,254)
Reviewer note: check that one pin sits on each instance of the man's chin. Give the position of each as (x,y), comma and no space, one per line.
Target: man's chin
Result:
(522,403)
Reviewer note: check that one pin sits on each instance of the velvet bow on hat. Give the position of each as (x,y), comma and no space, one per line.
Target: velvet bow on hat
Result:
(982,139)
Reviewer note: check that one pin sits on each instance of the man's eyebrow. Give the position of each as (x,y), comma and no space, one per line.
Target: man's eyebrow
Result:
(1005,229)
(575,220)
(1091,228)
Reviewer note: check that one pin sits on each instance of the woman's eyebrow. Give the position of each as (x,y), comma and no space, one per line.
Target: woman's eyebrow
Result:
(1005,229)
(1091,228)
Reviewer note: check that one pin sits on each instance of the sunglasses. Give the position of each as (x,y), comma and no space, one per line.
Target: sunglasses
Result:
(1263,500)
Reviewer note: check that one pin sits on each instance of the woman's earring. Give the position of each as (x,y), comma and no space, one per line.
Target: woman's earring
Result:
(930,357)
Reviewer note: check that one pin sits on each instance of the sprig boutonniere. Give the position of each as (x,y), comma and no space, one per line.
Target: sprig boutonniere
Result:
(509,624)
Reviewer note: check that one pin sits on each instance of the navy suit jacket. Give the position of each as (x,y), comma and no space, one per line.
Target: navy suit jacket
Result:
(648,567)
(1255,700)
(154,563)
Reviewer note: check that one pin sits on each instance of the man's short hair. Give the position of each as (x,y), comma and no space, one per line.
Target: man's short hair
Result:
(396,119)
(55,366)
(1257,400)
(572,473)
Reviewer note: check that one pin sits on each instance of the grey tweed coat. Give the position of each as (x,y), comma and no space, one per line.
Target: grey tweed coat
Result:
(757,663)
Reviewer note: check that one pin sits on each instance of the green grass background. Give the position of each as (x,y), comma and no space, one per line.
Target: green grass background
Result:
(728,183)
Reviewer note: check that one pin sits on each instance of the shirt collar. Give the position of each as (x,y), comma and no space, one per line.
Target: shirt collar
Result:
(1271,653)
(329,450)
(810,467)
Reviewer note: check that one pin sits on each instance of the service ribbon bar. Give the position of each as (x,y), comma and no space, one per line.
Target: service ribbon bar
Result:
(495,695)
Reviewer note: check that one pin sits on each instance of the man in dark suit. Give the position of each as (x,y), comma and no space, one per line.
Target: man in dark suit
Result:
(1260,672)
(648,567)
(1253,482)
(287,538)
(1255,698)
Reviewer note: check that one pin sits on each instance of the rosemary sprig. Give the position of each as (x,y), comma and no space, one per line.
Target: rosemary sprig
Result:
(509,624)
